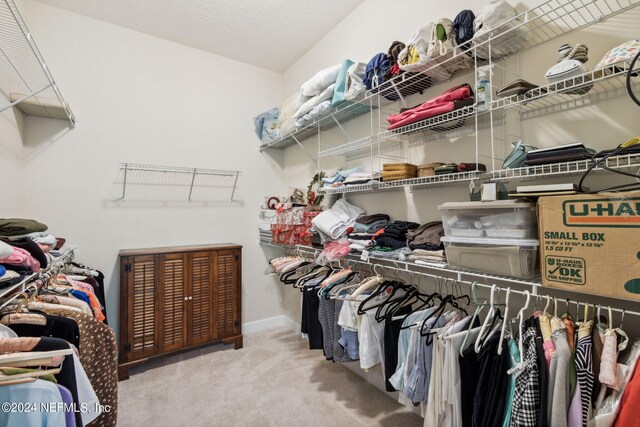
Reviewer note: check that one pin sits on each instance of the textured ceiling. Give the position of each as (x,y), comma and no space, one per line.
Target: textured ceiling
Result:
(271,34)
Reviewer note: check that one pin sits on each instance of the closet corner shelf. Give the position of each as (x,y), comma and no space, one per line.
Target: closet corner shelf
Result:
(567,168)
(408,266)
(231,175)
(597,85)
(411,183)
(26,82)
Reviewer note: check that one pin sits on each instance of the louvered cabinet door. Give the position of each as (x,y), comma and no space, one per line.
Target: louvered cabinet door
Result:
(173,302)
(141,282)
(201,326)
(227,294)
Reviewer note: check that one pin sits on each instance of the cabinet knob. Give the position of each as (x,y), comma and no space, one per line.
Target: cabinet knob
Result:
(190,298)
(186,298)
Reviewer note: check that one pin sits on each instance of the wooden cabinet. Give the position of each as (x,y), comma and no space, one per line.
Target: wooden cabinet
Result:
(177,298)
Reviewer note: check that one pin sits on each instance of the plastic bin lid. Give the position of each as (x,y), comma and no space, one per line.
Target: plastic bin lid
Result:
(489,241)
(498,204)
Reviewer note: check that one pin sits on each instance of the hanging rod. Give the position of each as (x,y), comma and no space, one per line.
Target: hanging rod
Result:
(466,282)
(140,167)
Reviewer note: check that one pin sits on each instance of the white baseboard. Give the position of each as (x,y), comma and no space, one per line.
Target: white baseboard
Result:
(281,321)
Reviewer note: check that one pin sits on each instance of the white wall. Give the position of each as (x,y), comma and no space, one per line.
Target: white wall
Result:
(142,99)
(372,27)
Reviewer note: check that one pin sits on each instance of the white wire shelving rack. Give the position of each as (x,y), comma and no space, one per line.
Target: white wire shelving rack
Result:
(530,28)
(623,161)
(26,82)
(229,177)
(409,266)
(581,90)
(410,183)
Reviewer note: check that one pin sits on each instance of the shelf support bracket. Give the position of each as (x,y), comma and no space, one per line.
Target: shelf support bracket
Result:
(235,182)
(304,149)
(124,182)
(193,179)
(344,132)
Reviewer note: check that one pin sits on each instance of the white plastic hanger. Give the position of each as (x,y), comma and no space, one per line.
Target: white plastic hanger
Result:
(520,365)
(478,345)
(504,321)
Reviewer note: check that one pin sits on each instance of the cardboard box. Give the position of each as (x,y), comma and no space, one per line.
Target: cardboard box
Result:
(591,243)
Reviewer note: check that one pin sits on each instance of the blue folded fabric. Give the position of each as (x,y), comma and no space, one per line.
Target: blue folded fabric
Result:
(3,271)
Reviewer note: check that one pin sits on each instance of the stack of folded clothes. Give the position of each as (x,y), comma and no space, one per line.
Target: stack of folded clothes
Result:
(364,230)
(336,222)
(459,167)
(371,223)
(394,235)
(425,243)
(340,176)
(25,248)
(355,178)
(426,237)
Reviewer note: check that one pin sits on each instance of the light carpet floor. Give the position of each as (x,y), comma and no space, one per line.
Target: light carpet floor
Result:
(275,380)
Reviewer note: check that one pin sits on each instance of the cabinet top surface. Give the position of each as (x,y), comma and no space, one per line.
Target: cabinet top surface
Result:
(171,249)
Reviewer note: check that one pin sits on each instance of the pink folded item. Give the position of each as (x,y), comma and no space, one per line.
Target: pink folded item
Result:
(434,107)
(21,257)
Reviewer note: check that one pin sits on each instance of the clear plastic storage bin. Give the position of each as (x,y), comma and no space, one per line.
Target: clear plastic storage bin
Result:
(502,219)
(505,257)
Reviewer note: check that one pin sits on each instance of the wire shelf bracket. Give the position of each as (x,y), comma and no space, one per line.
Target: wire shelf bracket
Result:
(193,172)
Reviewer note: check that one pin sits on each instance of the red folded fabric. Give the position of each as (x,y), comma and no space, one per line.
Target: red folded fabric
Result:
(439,105)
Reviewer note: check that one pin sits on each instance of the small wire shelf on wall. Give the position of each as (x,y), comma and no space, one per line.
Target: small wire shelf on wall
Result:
(186,182)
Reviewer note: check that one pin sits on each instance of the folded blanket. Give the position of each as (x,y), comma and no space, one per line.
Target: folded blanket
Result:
(334,222)
(5,250)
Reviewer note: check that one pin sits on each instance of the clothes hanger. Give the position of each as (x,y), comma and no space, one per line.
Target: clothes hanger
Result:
(520,365)
(447,300)
(504,320)
(493,310)
(427,303)
(479,307)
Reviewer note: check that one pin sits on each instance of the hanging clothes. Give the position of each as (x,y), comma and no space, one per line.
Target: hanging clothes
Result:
(559,400)
(526,402)
(584,369)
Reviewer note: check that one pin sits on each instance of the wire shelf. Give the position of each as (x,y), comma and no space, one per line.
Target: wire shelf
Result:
(411,183)
(408,266)
(576,91)
(229,175)
(25,79)
(435,180)
(566,168)
(437,124)
(355,188)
